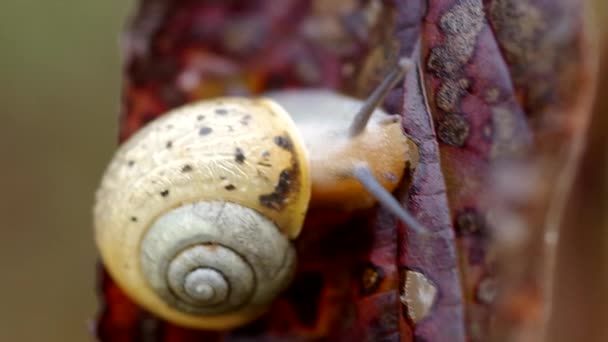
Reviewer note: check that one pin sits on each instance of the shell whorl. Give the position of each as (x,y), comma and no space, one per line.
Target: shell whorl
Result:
(216,258)
(207,157)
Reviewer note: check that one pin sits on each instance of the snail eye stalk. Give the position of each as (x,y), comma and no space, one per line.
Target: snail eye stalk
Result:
(373,101)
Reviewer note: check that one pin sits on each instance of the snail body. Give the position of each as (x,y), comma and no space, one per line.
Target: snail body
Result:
(333,152)
(195,212)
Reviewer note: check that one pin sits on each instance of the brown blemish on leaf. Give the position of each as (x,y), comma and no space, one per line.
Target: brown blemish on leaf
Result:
(491,95)
(371,277)
(441,62)
(520,27)
(450,93)
(504,129)
(462,23)
(540,43)
(487,290)
(468,222)
(453,130)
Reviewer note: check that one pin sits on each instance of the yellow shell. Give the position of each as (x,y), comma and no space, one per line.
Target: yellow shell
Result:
(239,150)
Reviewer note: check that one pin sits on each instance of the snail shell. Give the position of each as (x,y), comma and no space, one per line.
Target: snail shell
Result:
(194,213)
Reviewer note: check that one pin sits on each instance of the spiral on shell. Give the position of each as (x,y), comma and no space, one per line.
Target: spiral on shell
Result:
(216,257)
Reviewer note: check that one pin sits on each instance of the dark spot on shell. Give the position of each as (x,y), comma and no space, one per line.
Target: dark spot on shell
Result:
(131,163)
(221,111)
(205,130)
(164,193)
(266,154)
(223,177)
(133,219)
(230,128)
(265,164)
(245,120)
(169,144)
(276,199)
(200,117)
(453,130)
(371,277)
(283,142)
(239,156)
(230,187)
(186,168)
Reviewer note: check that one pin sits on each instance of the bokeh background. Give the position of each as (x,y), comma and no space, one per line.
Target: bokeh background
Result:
(60,82)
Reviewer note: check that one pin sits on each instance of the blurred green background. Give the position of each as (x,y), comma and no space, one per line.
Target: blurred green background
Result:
(60,83)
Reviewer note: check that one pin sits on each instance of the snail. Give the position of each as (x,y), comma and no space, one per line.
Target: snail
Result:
(195,213)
